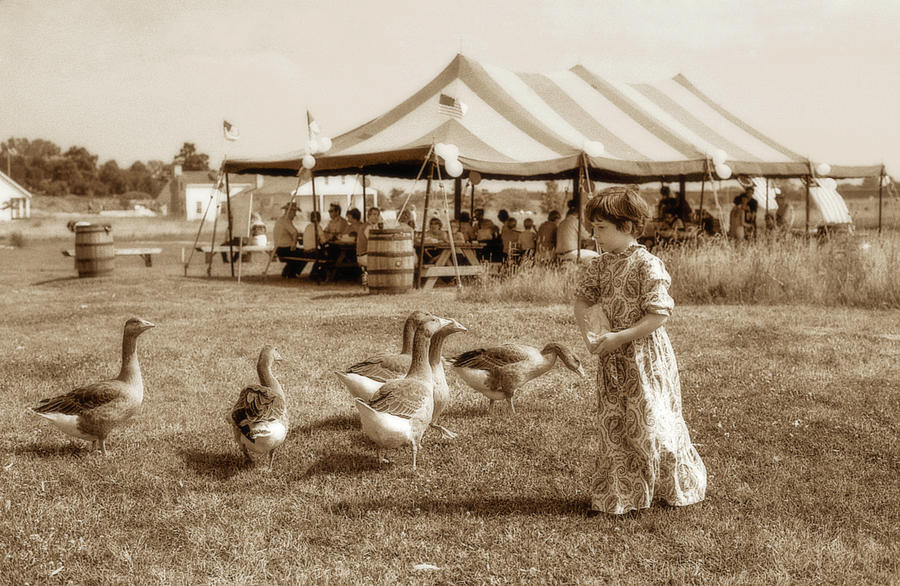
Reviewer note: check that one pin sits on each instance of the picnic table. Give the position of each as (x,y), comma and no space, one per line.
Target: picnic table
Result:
(438,261)
(144,253)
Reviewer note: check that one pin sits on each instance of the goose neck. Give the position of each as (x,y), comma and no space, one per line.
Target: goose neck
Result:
(131,369)
(420,367)
(266,376)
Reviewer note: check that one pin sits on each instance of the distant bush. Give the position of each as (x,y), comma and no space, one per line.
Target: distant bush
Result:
(17,239)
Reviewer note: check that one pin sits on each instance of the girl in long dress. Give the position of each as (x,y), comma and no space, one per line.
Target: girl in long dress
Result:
(645,449)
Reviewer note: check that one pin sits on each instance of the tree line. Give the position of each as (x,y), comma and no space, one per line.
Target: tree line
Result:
(43,168)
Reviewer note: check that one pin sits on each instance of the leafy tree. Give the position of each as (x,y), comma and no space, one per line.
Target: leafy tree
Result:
(112,177)
(191,159)
(552,198)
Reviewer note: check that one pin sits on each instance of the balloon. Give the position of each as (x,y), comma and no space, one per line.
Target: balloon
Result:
(823,168)
(723,171)
(719,157)
(324,144)
(829,183)
(309,161)
(886,180)
(313,146)
(454,167)
(451,151)
(593,148)
(440,149)
(475,177)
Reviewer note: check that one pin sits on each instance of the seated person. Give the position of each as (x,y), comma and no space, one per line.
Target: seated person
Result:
(285,239)
(355,227)
(570,244)
(313,234)
(435,233)
(466,227)
(458,235)
(670,227)
(528,237)
(337,225)
(509,236)
(406,222)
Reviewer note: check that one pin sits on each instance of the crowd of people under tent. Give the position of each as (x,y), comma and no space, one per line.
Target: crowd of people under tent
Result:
(561,237)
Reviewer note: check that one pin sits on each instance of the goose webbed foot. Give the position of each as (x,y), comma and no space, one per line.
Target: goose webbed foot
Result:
(445,433)
(271,459)
(382,459)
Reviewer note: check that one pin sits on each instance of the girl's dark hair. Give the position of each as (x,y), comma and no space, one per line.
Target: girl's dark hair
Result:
(619,205)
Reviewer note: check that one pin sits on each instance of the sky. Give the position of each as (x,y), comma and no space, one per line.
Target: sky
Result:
(134,80)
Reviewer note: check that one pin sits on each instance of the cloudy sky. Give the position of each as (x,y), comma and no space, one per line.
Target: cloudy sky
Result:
(133,80)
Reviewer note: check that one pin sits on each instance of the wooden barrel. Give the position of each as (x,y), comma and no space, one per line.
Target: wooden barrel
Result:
(94,252)
(391,261)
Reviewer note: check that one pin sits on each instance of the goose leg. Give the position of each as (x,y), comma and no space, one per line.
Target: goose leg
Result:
(271,459)
(415,447)
(445,433)
(103,447)
(247,459)
(512,409)
(491,405)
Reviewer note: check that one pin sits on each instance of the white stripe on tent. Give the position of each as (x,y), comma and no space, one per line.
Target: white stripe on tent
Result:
(480,119)
(513,85)
(679,94)
(672,123)
(759,194)
(831,205)
(618,122)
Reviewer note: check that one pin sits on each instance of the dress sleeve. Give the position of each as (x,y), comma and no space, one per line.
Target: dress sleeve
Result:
(655,296)
(588,286)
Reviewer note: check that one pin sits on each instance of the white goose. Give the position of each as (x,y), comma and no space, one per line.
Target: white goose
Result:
(498,372)
(364,378)
(441,388)
(259,418)
(92,412)
(401,410)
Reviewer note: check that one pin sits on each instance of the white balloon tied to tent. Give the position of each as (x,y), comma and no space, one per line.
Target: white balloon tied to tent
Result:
(309,161)
(719,157)
(723,171)
(593,148)
(454,167)
(823,169)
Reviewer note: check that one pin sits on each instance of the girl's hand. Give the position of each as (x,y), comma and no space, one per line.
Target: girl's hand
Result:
(607,343)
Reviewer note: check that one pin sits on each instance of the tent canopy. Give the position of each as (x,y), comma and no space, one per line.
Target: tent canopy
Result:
(511,125)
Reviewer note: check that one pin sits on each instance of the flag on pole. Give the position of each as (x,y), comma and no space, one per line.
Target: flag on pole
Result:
(231,133)
(313,125)
(450,106)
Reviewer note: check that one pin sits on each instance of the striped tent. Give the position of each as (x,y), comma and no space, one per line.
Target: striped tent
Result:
(539,126)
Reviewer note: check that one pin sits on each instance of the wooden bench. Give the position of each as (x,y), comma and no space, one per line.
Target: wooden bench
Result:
(144,253)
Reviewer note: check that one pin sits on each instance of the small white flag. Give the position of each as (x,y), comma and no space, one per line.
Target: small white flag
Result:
(231,133)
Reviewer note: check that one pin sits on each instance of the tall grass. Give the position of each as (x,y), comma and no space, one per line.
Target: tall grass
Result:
(853,270)
(123,229)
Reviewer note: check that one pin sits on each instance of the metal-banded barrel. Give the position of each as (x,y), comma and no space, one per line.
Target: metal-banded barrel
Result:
(391,261)
(94,252)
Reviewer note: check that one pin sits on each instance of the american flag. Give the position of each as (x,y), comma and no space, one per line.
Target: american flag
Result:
(450,106)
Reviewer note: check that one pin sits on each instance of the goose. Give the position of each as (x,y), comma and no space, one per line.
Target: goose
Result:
(441,388)
(401,409)
(92,412)
(259,418)
(498,372)
(364,378)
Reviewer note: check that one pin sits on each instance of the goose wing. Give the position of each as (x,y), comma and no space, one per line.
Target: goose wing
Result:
(402,398)
(256,404)
(492,358)
(382,368)
(83,399)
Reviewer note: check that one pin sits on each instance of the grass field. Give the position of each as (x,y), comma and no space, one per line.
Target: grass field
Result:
(794,409)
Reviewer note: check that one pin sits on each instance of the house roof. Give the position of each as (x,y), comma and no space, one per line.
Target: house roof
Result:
(544,125)
(14,186)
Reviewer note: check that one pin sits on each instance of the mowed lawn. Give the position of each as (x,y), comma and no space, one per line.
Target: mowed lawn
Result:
(794,411)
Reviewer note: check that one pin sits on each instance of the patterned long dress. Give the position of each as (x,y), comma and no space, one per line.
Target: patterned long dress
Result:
(644,447)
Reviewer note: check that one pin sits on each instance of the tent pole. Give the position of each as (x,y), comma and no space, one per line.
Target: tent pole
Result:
(364,206)
(457,197)
(880,196)
(424,217)
(682,194)
(576,195)
(203,219)
(702,190)
(241,241)
(312,180)
(765,217)
(472,202)
(230,229)
(808,181)
(212,244)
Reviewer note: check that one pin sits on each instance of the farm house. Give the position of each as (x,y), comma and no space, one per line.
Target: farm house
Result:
(15,200)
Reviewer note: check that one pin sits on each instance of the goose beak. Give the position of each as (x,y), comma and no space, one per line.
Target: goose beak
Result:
(580,371)
(147,325)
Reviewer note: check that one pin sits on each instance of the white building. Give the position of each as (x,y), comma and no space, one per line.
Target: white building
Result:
(15,200)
